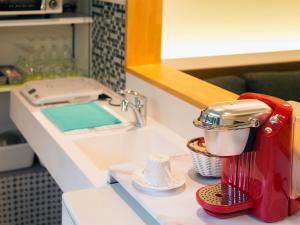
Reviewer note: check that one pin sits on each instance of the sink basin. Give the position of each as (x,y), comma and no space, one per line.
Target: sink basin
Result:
(136,145)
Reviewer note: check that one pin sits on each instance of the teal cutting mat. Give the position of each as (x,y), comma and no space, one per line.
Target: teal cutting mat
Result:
(80,116)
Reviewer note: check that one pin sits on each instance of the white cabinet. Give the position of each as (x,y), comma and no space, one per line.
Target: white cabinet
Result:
(15,34)
(18,34)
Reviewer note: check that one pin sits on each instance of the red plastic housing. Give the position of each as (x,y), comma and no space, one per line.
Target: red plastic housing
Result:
(265,173)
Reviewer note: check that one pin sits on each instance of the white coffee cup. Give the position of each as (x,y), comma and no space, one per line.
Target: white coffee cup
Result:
(157,172)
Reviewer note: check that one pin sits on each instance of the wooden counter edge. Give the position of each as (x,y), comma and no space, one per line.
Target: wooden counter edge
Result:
(185,87)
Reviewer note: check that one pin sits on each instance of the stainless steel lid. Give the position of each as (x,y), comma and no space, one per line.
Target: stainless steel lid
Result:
(234,115)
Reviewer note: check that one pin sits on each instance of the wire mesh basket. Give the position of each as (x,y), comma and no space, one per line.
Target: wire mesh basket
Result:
(204,163)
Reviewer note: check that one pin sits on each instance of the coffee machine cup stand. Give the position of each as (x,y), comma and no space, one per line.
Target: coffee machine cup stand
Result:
(254,136)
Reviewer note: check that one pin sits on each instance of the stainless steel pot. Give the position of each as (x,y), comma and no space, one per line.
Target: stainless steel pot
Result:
(226,142)
(227,125)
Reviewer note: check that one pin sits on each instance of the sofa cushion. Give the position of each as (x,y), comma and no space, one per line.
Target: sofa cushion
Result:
(285,85)
(230,83)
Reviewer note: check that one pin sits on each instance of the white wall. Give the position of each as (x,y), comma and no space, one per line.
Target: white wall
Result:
(167,109)
(194,28)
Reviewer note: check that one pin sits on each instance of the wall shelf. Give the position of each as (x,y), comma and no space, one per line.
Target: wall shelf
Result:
(54,20)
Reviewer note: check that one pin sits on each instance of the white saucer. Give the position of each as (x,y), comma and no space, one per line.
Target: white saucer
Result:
(138,179)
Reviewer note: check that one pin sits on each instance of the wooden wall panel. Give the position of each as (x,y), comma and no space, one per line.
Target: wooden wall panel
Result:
(143,32)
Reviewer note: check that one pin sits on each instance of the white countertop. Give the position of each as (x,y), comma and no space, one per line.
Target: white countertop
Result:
(68,163)
(112,205)
(162,205)
(105,205)
(70,168)
(73,170)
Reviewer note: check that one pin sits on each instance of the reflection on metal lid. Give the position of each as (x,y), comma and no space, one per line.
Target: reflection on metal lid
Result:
(234,115)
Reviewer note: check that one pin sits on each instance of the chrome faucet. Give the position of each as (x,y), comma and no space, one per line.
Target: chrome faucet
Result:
(138,103)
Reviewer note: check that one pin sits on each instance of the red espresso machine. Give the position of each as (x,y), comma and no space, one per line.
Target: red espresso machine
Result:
(254,135)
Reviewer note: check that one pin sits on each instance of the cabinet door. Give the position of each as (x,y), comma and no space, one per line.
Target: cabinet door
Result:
(66,218)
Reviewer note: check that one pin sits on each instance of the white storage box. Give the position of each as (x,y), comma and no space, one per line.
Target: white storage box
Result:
(13,157)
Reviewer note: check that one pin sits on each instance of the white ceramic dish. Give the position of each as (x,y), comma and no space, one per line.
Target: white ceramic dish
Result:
(138,179)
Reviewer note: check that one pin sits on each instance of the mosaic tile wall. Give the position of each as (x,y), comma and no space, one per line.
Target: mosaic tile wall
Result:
(29,197)
(108,44)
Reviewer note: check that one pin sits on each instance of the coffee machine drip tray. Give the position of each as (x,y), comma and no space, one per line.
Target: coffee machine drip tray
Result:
(223,200)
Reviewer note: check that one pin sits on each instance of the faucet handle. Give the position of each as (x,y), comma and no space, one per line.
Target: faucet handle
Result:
(137,102)
(124,105)
(135,97)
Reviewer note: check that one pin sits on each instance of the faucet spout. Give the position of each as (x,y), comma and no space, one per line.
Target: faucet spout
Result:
(138,106)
